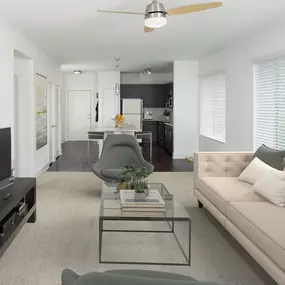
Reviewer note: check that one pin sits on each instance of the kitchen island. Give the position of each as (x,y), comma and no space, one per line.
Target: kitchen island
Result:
(128,129)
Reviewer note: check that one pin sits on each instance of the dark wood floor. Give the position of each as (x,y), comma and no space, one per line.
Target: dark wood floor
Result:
(74,158)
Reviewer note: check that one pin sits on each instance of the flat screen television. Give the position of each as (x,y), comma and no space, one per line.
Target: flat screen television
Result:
(5,153)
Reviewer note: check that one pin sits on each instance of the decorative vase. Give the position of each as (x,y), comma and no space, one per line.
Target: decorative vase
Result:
(141,188)
(122,186)
(119,119)
(117,124)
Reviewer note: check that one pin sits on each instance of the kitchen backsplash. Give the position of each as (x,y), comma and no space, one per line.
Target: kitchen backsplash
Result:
(157,113)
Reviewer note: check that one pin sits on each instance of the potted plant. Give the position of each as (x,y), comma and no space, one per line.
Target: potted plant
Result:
(126,177)
(134,178)
(166,113)
(140,182)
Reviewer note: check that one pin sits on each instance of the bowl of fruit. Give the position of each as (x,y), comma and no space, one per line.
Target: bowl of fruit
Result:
(119,119)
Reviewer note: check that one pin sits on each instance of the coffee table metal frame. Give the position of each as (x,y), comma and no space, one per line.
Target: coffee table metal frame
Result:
(169,219)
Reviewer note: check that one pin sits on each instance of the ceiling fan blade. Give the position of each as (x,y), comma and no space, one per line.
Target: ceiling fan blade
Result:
(193,8)
(120,12)
(148,29)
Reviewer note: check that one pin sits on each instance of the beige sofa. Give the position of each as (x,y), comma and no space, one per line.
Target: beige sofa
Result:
(258,225)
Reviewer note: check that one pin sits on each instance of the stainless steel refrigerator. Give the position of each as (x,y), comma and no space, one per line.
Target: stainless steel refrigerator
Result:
(132,109)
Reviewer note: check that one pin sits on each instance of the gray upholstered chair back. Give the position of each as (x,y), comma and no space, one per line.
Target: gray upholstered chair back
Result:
(129,277)
(119,151)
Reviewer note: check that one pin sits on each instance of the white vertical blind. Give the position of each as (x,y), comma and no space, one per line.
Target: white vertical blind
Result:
(213,107)
(270,103)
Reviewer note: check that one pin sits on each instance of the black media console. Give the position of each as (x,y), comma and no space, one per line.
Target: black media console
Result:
(17,207)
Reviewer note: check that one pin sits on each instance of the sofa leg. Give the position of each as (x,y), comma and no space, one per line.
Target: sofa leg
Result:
(200,204)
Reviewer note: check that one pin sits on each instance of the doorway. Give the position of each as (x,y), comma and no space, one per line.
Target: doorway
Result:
(79,114)
(54,121)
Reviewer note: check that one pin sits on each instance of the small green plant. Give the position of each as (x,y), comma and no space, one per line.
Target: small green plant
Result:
(140,179)
(166,113)
(135,177)
(127,173)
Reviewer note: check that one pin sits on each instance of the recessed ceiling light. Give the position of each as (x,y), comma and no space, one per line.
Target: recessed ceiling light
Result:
(77,72)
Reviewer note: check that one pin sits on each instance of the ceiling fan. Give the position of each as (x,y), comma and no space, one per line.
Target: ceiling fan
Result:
(155,13)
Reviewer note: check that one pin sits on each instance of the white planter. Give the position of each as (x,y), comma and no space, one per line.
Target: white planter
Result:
(140,196)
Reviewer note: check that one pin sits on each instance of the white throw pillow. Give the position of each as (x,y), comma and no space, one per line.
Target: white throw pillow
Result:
(258,168)
(272,188)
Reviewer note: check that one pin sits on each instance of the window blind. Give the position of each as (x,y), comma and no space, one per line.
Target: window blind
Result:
(270,103)
(213,107)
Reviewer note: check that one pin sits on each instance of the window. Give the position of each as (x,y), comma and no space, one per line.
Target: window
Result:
(270,103)
(213,107)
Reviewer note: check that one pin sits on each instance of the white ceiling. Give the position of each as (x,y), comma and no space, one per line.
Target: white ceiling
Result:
(75,35)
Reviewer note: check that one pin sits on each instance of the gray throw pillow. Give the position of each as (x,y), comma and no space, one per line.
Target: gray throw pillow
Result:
(272,157)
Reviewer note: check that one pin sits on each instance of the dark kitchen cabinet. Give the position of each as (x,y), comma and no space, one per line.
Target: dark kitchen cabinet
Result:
(154,95)
(169,138)
(168,89)
(161,134)
(151,126)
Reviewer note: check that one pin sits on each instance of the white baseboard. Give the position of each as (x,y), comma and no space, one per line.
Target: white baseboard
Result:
(42,170)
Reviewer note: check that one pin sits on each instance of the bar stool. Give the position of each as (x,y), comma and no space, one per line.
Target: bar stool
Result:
(93,137)
(146,136)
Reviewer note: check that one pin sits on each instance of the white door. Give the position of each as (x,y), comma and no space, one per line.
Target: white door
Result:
(79,114)
(54,121)
(57,122)
(110,107)
(51,121)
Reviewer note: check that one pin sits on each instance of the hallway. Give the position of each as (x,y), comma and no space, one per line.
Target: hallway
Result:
(75,158)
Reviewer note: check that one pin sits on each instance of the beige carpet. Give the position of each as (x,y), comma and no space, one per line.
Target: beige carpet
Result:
(66,236)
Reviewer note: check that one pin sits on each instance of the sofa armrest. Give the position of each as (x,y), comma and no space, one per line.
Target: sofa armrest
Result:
(220,164)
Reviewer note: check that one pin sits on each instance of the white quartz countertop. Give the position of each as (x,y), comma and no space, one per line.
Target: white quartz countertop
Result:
(110,129)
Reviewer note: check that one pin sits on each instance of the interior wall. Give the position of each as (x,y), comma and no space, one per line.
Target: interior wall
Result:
(12,40)
(237,60)
(139,78)
(185,111)
(84,81)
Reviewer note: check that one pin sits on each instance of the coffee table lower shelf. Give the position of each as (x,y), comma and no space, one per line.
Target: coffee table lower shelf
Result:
(171,223)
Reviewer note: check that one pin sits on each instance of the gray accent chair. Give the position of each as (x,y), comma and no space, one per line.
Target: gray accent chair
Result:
(129,277)
(119,151)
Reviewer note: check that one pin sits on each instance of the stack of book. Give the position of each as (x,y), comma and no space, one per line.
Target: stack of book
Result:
(151,203)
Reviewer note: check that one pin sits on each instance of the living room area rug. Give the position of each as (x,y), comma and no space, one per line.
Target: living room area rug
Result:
(66,236)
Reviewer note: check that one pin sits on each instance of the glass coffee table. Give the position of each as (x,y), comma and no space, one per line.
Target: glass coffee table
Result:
(140,227)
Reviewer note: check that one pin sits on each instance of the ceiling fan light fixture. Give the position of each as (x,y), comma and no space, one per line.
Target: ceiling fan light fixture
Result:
(155,20)
(155,15)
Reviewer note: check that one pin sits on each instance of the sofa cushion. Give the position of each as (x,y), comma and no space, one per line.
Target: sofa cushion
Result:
(258,168)
(263,223)
(221,190)
(272,188)
(272,157)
